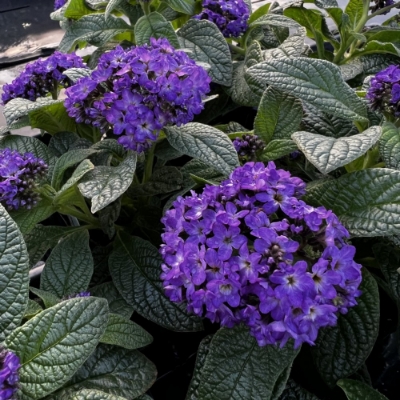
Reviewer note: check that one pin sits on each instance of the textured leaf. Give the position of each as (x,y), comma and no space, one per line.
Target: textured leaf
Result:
(114,370)
(116,303)
(14,279)
(240,91)
(111,6)
(376,47)
(341,350)
(94,29)
(205,143)
(76,73)
(373,63)
(356,390)
(108,216)
(33,308)
(19,107)
(43,238)
(354,10)
(279,115)
(70,266)
(278,148)
(292,47)
(26,144)
(328,154)
(208,45)
(76,9)
(317,82)
(276,20)
(351,70)
(165,151)
(156,26)
(135,267)
(66,333)
(295,392)
(389,145)
(105,184)
(263,10)
(237,368)
(133,12)
(316,121)
(183,6)
(52,118)
(61,142)
(48,298)
(90,394)
(125,333)
(367,201)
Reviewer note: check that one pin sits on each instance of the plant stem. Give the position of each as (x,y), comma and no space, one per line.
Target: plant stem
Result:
(145,6)
(148,169)
(70,210)
(237,49)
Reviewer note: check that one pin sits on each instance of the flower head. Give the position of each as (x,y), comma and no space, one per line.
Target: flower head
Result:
(249,250)
(230,16)
(9,377)
(59,3)
(41,77)
(384,91)
(81,294)
(379,4)
(18,176)
(248,145)
(138,91)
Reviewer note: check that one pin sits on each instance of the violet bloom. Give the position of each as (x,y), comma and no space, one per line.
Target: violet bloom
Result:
(59,3)
(9,377)
(19,174)
(42,77)
(230,16)
(247,146)
(136,92)
(237,254)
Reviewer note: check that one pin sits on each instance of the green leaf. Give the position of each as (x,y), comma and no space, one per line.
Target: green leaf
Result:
(66,161)
(236,367)
(66,333)
(32,309)
(62,142)
(182,6)
(354,10)
(116,303)
(27,219)
(279,115)
(356,390)
(278,148)
(125,333)
(317,82)
(208,45)
(373,63)
(133,12)
(352,69)
(17,108)
(326,3)
(14,268)
(43,238)
(263,10)
(295,392)
(367,201)
(76,73)
(116,371)
(240,91)
(108,216)
(276,20)
(111,6)
(105,184)
(375,47)
(205,143)
(70,266)
(156,26)
(135,267)
(90,394)
(26,144)
(328,154)
(389,145)
(316,121)
(94,29)
(52,119)
(76,9)
(341,350)
(292,47)
(48,298)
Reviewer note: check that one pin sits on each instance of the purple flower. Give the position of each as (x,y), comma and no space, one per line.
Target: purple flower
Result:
(81,294)
(138,91)
(384,91)
(41,77)
(230,16)
(59,3)
(379,4)
(249,250)
(9,377)
(248,145)
(19,174)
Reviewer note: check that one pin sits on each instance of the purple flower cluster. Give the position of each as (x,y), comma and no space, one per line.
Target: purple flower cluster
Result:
(41,77)
(9,378)
(139,91)
(230,16)
(248,145)
(18,176)
(250,251)
(59,3)
(384,91)
(76,295)
(379,4)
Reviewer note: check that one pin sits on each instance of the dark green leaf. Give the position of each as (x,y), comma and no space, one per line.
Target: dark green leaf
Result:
(61,142)
(354,10)
(125,333)
(14,268)
(70,266)
(90,394)
(373,63)
(111,6)
(208,45)
(76,73)
(135,266)
(356,390)
(295,392)
(278,148)
(183,6)
(389,145)
(66,333)
(279,115)
(205,143)
(108,216)
(318,82)
(341,350)
(375,47)
(48,298)
(328,154)
(33,308)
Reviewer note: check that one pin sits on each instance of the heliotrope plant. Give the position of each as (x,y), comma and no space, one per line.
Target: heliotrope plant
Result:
(203,169)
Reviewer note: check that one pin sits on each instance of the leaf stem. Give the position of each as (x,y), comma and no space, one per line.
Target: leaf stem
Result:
(237,49)
(71,210)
